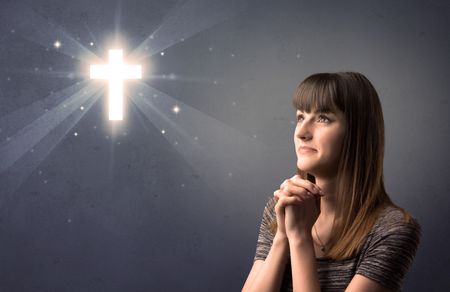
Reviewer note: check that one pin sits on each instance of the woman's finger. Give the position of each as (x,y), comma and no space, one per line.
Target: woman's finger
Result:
(283,184)
(282,193)
(285,201)
(294,189)
(306,184)
(290,187)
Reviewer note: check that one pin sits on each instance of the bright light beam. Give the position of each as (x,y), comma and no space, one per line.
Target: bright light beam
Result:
(43,31)
(115,72)
(186,20)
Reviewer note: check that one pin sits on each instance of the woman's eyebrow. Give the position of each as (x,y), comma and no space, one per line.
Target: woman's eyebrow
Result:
(316,113)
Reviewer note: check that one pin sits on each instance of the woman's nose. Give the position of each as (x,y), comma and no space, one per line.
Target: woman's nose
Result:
(303,132)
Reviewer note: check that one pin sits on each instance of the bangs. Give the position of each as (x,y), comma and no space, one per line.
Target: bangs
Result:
(317,93)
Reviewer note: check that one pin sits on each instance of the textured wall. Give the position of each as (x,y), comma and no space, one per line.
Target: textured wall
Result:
(86,205)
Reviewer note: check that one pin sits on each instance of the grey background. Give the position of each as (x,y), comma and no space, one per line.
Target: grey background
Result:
(107,211)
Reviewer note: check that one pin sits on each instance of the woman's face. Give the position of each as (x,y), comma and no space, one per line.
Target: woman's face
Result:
(318,141)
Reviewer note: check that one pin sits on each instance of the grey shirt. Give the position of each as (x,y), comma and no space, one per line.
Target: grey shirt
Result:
(385,257)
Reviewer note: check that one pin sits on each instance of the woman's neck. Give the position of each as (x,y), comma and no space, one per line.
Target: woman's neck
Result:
(328,201)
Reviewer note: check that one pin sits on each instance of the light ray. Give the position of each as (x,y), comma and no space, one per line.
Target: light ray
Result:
(213,149)
(186,21)
(46,72)
(179,78)
(42,31)
(12,179)
(16,120)
(94,39)
(26,138)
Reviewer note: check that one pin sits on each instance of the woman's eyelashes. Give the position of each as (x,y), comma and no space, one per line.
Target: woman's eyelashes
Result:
(324,119)
(321,119)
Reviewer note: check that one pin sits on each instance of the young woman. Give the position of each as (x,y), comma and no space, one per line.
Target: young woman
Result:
(333,227)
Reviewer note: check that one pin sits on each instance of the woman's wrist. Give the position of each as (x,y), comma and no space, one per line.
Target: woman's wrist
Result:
(280,237)
(300,237)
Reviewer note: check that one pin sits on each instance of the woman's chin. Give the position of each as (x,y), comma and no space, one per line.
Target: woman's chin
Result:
(305,167)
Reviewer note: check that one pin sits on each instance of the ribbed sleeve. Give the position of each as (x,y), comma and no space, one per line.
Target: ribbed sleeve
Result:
(390,250)
(265,238)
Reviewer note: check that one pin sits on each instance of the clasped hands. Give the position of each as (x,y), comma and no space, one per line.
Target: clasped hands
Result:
(297,207)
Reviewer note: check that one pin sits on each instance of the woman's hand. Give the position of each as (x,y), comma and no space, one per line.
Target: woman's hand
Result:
(297,207)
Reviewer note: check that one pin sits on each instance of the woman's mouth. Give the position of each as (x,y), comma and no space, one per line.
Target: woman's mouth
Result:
(306,150)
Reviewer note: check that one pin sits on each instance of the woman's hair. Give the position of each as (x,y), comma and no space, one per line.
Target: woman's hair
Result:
(360,192)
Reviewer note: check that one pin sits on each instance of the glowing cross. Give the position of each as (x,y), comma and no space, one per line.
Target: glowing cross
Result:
(116,71)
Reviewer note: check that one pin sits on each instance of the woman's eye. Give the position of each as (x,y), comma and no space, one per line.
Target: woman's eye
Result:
(324,119)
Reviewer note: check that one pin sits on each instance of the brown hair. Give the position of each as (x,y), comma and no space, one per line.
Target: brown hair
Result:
(360,192)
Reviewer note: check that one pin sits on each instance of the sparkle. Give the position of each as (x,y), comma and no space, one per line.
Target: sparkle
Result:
(175,143)
(91,43)
(232,55)
(57,44)
(163,131)
(298,56)
(254,136)
(151,37)
(32,150)
(210,49)
(176,109)
(182,185)
(162,53)
(82,108)
(95,127)
(196,138)
(215,82)
(45,181)
(12,31)
(75,134)
(8,79)
(69,220)
(40,172)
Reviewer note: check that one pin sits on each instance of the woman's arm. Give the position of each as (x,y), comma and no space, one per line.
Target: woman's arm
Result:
(303,263)
(268,275)
(300,216)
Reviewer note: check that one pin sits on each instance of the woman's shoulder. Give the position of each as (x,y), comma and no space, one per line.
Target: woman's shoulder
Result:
(393,214)
(395,220)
